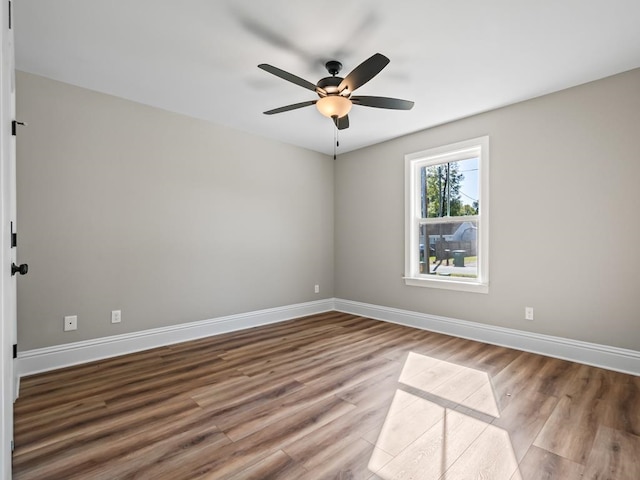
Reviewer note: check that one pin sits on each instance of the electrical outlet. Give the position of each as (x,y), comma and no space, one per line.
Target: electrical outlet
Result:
(70,323)
(528,313)
(116,316)
(317,289)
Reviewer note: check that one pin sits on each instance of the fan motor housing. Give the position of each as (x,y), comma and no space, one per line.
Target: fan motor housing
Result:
(330,84)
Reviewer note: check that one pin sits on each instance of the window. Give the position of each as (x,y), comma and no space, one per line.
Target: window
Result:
(446,217)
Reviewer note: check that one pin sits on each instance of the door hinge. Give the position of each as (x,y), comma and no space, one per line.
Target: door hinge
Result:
(14,237)
(9,15)
(14,126)
(15,350)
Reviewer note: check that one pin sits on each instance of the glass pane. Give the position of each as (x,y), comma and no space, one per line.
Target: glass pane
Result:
(449,249)
(450,189)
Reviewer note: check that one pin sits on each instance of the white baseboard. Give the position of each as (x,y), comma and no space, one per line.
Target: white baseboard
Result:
(51,358)
(611,358)
(59,356)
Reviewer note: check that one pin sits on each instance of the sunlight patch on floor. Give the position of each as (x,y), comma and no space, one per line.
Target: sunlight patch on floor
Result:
(450,382)
(428,439)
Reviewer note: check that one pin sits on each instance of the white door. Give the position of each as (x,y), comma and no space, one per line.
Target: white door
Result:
(7,253)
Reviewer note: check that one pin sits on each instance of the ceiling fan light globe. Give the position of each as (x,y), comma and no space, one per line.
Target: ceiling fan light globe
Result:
(334,106)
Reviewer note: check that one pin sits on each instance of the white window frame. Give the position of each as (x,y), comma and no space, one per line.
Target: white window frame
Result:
(476,147)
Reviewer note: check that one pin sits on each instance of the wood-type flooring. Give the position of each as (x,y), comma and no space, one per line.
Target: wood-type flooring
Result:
(330,396)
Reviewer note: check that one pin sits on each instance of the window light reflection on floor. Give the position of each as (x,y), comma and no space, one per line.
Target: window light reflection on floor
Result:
(439,426)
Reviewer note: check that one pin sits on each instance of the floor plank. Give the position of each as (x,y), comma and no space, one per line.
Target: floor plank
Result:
(610,453)
(539,464)
(524,418)
(489,456)
(579,410)
(278,465)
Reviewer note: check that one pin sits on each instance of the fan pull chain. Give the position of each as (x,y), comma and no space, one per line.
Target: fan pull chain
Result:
(336,143)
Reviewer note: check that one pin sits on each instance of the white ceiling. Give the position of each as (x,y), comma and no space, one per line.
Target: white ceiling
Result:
(453,58)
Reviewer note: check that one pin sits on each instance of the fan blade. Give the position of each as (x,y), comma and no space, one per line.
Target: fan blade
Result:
(383,102)
(364,72)
(290,77)
(342,122)
(290,107)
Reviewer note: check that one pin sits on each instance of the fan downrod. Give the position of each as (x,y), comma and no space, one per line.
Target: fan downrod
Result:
(333,67)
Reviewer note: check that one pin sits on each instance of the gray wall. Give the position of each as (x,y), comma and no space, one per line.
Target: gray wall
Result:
(171,219)
(564,222)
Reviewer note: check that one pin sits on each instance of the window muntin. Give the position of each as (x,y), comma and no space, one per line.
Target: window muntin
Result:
(447,218)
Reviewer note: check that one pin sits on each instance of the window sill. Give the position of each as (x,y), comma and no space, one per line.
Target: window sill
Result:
(448,284)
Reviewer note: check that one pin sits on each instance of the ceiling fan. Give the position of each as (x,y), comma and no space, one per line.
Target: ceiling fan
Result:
(335,93)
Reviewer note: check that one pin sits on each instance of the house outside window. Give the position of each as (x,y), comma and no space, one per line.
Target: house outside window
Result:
(447,218)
